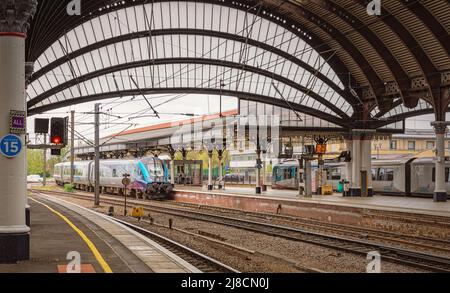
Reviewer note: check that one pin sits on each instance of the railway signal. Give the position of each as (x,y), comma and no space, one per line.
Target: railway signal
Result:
(58,131)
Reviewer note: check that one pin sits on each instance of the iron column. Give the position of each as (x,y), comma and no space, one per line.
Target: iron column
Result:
(97,156)
(72,145)
(440,191)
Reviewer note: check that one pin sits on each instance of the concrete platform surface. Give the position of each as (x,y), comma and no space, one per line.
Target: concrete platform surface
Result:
(60,229)
(157,258)
(52,239)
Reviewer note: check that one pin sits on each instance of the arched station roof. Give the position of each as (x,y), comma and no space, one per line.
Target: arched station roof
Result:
(329,59)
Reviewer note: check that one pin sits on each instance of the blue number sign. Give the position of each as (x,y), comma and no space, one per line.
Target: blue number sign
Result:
(10,145)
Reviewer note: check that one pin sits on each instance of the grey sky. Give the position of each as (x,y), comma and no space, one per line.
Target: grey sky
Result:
(137,111)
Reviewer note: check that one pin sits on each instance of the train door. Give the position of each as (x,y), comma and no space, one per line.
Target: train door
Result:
(408,177)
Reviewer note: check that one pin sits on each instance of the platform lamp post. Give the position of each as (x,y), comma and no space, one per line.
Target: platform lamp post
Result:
(172,165)
(97,156)
(222,85)
(220,150)
(210,162)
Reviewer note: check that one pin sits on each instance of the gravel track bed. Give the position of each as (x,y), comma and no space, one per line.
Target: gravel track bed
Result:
(304,254)
(321,229)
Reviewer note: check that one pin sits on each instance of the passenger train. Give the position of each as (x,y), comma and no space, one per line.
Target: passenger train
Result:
(149,176)
(410,176)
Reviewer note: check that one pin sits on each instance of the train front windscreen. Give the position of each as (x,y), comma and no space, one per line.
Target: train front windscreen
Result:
(155,169)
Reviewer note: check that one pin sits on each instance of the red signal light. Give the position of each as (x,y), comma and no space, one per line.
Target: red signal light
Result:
(56,139)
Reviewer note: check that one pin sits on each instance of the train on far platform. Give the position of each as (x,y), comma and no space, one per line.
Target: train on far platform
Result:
(409,176)
(149,176)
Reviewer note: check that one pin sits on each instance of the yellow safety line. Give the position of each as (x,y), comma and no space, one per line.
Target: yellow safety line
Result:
(106,268)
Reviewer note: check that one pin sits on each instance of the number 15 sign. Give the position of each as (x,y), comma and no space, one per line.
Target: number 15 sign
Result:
(10,145)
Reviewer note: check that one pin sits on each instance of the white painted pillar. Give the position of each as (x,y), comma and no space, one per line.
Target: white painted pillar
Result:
(14,233)
(366,159)
(355,189)
(29,69)
(440,191)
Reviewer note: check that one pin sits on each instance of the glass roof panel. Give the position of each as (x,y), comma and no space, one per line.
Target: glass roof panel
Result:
(193,15)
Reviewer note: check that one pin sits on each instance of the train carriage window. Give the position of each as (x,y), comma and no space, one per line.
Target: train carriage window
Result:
(381,173)
(447,174)
(78,170)
(287,174)
(293,172)
(278,173)
(389,176)
(114,173)
(393,145)
(430,145)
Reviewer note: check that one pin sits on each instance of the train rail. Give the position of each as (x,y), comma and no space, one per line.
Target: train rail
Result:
(398,255)
(422,242)
(197,259)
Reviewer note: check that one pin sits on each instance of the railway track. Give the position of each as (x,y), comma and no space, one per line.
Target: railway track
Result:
(197,259)
(428,243)
(399,255)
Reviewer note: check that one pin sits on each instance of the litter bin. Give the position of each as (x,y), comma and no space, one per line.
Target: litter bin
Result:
(340,187)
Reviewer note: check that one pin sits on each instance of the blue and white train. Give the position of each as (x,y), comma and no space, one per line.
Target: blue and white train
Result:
(149,176)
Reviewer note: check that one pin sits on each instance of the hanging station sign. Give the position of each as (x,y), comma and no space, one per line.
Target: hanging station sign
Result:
(321,149)
(17,122)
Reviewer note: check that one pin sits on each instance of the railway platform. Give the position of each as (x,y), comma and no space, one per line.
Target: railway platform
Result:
(406,215)
(378,202)
(63,232)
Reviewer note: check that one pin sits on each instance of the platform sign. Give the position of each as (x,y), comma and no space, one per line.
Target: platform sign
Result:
(126,181)
(321,149)
(17,122)
(10,145)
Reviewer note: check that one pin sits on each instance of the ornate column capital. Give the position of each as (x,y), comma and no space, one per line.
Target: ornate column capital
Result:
(440,127)
(15,15)
(362,134)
